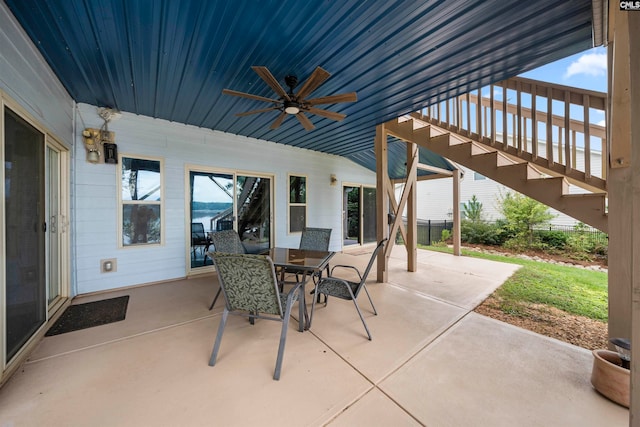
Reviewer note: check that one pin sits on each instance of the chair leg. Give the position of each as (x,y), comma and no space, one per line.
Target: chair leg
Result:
(216,346)
(283,334)
(283,341)
(215,299)
(353,298)
(370,300)
(362,318)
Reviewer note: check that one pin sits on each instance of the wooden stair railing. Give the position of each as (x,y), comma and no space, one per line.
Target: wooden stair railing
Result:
(520,175)
(504,118)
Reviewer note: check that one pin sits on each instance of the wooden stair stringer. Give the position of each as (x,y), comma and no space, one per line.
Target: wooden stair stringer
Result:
(522,176)
(578,178)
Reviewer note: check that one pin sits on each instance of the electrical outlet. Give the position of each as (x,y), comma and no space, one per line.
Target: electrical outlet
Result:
(109,265)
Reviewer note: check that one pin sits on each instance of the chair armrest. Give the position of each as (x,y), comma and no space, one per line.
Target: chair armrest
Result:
(345,266)
(292,292)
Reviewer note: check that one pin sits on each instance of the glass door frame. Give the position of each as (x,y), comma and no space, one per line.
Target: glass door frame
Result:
(191,271)
(60,187)
(361,213)
(62,268)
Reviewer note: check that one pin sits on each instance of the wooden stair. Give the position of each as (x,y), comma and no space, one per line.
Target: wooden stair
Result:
(546,186)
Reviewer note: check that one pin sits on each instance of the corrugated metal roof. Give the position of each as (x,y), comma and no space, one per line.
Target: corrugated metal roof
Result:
(171,59)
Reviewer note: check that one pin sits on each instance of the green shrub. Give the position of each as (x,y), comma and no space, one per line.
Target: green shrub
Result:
(523,214)
(552,238)
(480,232)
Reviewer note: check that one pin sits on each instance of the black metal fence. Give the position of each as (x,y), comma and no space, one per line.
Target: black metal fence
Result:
(430,231)
(593,234)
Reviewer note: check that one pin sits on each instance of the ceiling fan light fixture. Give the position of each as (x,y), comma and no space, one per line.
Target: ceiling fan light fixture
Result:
(291,107)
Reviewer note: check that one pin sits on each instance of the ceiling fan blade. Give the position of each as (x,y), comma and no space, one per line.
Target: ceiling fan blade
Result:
(276,124)
(316,78)
(328,114)
(333,99)
(304,121)
(268,78)
(248,95)
(263,110)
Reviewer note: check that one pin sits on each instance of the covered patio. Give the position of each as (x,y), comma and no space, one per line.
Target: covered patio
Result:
(77,77)
(449,366)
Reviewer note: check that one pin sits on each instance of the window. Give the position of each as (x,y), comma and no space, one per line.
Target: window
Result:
(140,201)
(478,177)
(297,203)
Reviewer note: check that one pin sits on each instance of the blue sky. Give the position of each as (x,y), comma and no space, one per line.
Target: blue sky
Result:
(587,70)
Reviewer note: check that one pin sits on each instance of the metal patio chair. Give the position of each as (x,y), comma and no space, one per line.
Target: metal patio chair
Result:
(345,289)
(312,239)
(227,241)
(198,238)
(250,288)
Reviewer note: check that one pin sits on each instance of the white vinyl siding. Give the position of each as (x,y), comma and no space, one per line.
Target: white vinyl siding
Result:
(180,145)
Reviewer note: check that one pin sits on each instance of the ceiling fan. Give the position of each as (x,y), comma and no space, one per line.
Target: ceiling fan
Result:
(290,103)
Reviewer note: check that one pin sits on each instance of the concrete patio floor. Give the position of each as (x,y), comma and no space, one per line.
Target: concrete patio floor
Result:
(432,361)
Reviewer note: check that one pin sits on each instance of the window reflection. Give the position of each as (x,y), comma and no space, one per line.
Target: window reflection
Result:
(140,179)
(141,224)
(141,193)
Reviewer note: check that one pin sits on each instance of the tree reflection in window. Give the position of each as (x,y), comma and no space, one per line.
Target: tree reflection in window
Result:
(141,190)
(297,203)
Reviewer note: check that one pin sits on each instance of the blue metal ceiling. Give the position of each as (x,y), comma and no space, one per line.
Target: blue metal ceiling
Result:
(171,59)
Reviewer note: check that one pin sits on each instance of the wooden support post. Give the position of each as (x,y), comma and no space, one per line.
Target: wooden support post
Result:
(412,216)
(624,188)
(456,213)
(534,123)
(382,199)
(633,34)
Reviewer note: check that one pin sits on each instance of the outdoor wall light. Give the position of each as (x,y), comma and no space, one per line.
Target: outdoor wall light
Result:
(94,139)
(91,143)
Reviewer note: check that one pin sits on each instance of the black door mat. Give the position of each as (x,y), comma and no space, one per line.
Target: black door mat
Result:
(90,314)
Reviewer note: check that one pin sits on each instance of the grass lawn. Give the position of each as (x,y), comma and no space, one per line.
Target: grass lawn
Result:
(573,290)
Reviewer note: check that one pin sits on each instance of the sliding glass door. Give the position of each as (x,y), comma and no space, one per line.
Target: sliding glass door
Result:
(25,227)
(254,212)
(223,201)
(56,224)
(211,209)
(368,214)
(359,214)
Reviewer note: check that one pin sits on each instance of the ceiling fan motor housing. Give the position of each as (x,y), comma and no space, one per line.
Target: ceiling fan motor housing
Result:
(291,81)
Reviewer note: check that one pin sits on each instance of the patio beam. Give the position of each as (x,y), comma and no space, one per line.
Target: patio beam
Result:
(624,188)
(382,200)
(634,258)
(411,241)
(456,214)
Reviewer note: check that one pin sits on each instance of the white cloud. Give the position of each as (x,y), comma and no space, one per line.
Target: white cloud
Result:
(602,123)
(592,64)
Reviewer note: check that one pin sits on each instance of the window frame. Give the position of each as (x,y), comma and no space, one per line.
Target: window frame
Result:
(291,205)
(122,203)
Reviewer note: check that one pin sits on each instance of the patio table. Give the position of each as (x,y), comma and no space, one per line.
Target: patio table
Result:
(308,261)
